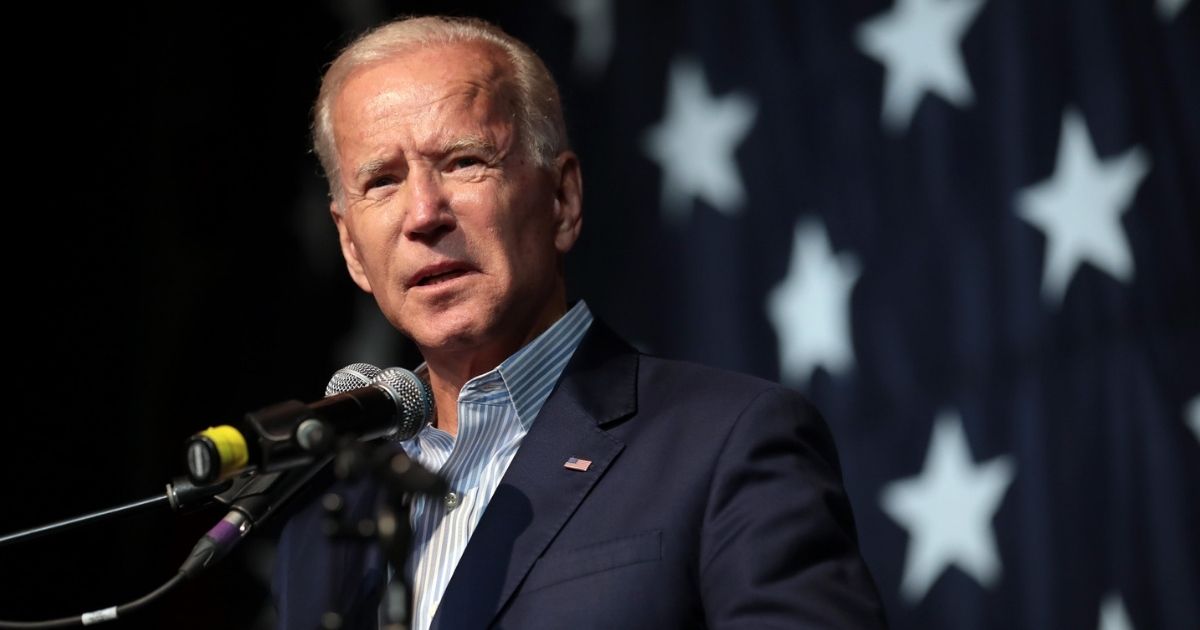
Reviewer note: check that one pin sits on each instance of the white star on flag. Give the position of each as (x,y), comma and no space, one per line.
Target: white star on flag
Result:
(1079,208)
(695,143)
(593,33)
(1168,9)
(919,41)
(1193,415)
(1113,615)
(810,307)
(948,511)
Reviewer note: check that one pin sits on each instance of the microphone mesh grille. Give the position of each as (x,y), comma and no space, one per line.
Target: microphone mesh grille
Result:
(414,401)
(352,376)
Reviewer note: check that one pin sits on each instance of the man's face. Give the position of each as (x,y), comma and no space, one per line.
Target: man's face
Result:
(447,220)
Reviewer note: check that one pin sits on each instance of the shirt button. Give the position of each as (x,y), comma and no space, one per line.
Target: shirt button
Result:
(452,500)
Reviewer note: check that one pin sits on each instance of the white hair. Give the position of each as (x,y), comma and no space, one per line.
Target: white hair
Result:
(540,121)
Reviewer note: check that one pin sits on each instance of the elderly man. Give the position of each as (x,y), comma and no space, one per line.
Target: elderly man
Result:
(591,486)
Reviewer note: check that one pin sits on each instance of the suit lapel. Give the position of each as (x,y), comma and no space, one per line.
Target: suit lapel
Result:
(538,494)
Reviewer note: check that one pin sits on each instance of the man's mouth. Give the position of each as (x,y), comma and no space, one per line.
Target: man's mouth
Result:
(438,273)
(439,278)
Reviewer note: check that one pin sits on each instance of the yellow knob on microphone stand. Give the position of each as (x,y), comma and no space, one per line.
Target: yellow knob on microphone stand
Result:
(216,453)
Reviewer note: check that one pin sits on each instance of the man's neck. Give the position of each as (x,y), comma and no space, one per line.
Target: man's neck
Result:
(450,370)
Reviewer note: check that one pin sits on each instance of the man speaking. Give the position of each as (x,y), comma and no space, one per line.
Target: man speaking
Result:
(591,486)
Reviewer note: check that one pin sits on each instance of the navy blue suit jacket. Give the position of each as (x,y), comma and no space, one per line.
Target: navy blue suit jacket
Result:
(714,500)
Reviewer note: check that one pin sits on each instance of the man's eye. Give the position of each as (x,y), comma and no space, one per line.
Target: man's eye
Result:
(466,161)
(381,181)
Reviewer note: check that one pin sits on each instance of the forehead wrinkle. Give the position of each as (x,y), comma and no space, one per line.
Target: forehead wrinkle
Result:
(488,126)
(481,89)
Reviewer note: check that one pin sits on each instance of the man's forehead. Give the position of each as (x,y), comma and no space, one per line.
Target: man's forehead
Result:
(474,62)
(426,77)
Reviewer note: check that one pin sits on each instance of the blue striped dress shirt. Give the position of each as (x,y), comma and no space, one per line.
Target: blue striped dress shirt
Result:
(495,411)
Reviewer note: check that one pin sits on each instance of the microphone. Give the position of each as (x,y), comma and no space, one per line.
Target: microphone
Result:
(361,400)
(351,377)
(255,497)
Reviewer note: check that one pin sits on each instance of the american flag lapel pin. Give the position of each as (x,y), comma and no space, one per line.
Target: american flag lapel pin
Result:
(574,463)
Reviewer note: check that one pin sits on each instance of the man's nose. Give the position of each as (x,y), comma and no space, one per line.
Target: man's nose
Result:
(428,214)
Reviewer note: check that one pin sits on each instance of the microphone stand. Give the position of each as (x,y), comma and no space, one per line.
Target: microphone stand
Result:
(400,478)
(181,494)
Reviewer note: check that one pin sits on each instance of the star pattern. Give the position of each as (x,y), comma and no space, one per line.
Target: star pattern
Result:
(919,42)
(948,511)
(1168,9)
(810,308)
(1079,209)
(694,144)
(1113,615)
(593,34)
(1193,415)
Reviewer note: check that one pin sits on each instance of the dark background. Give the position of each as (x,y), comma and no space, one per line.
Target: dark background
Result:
(170,265)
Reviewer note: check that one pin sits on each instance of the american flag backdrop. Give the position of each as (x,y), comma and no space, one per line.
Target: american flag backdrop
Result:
(968,230)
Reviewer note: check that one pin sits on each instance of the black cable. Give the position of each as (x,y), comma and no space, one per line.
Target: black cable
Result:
(97,616)
(182,495)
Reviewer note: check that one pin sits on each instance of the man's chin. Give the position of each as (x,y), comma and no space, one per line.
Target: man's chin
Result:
(449,340)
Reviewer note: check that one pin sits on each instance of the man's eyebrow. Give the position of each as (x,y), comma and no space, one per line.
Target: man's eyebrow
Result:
(470,143)
(370,169)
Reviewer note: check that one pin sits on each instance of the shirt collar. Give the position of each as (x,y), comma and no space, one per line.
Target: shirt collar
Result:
(530,373)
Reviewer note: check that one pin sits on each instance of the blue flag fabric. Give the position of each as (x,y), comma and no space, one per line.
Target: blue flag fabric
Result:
(968,229)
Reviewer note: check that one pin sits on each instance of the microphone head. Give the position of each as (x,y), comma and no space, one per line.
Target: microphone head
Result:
(414,401)
(352,376)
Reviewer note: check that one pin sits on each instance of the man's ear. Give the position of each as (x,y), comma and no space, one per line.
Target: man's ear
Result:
(568,201)
(349,250)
